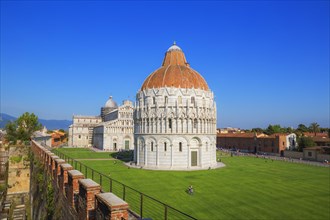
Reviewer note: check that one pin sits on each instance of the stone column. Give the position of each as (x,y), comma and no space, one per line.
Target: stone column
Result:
(157,155)
(188,155)
(145,155)
(173,125)
(73,187)
(110,207)
(137,153)
(171,154)
(86,205)
(200,153)
(142,125)
(65,167)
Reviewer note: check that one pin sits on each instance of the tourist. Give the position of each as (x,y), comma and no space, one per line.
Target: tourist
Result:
(190,190)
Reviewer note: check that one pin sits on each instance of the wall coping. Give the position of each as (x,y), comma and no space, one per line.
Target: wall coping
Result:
(66,166)
(59,160)
(75,173)
(88,183)
(111,200)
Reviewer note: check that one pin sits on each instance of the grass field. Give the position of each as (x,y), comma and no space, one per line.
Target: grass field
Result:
(247,188)
(85,153)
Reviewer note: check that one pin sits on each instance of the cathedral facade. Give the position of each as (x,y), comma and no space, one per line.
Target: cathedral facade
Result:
(175,118)
(111,131)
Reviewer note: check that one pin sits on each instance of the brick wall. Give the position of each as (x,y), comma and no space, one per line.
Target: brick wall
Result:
(83,195)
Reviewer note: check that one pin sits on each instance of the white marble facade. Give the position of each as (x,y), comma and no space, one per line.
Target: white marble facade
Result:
(111,131)
(175,128)
(116,132)
(81,130)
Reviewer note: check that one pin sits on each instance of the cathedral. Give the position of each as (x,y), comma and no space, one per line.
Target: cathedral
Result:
(111,131)
(173,126)
(175,118)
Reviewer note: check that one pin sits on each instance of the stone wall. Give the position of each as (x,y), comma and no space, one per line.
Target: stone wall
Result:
(293,154)
(316,156)
(322,157)
(60,192)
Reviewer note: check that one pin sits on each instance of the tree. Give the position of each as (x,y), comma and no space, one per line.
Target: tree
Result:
(305,142)
(289,130)
(272,129)
(302,128)
(11,128)
(314,127)
(257,130)
(23,127)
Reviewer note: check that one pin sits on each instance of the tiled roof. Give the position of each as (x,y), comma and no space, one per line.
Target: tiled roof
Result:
(242,135)
(319,134)
(175,72)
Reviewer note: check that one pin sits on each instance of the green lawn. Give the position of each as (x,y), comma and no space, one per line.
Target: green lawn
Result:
(84,153)
(247,188)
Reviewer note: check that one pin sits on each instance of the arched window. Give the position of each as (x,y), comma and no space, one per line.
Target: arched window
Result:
(180,147)
(170,123)
(207,146)
(165,146)
(166,99)
(153,100)
(192,100)
(152,146)
(195,123)
(179,100)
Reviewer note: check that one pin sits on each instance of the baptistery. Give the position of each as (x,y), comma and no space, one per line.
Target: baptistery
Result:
(175,118)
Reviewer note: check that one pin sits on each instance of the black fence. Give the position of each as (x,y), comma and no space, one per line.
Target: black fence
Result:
(141,204)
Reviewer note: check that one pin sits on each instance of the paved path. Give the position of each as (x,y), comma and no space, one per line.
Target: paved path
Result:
(219,165)
(96,159)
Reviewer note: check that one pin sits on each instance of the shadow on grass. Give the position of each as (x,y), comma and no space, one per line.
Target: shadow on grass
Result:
(124,156)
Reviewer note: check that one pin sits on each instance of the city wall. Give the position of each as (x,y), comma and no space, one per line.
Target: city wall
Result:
(57,191)
(303,155)
(293,154)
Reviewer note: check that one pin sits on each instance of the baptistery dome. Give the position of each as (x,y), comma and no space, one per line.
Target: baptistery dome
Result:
(175,118)
(175,72)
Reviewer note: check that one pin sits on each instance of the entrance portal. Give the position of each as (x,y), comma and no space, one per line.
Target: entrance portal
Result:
(193,158)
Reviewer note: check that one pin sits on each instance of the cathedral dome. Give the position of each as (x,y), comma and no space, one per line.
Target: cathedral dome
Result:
(175,72)
(111,103)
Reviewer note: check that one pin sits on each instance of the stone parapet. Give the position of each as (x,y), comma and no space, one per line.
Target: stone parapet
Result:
(87,191)
(83,195)
(73,187)
(53,166)
(57,170)
(111,207)
(63,178)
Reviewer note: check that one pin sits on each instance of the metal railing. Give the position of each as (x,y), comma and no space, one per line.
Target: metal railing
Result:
(144,206)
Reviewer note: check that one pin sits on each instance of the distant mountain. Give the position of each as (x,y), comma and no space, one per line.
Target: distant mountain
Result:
(50,124)
(4,119)
(56,124)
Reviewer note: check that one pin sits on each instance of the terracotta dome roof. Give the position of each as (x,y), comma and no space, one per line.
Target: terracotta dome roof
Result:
(175,72)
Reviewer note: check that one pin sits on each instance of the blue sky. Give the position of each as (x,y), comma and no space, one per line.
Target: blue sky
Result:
(266,61)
